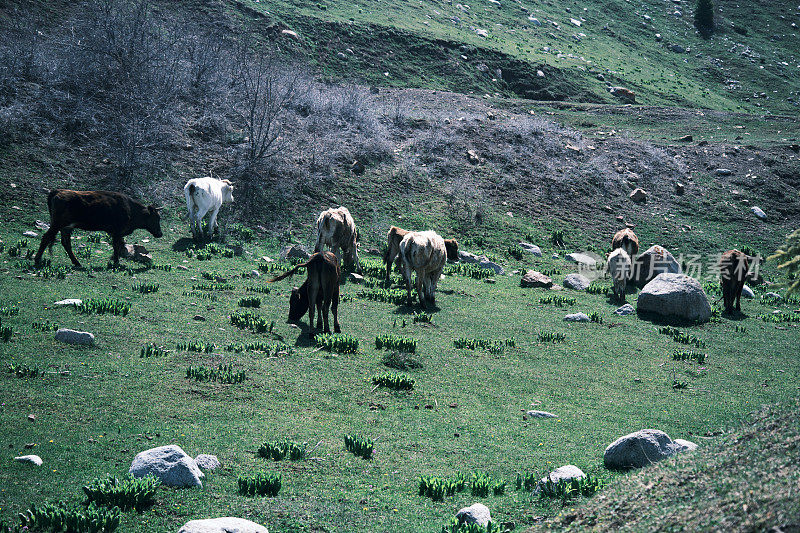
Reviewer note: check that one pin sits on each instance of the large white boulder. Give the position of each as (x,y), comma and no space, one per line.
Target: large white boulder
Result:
(480,260)
(170,464)
(70,336)
(652,262)
(675,295)
(639,449)
(531,248)
(477,513)
(31,459)
(576,282)
(226,524)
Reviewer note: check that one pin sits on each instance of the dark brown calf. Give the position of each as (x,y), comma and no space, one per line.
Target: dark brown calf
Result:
(320,289)
(115,213)
(734,269)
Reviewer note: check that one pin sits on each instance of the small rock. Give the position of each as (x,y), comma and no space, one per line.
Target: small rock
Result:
(639,449)
(294,251)
(774,295)
(624,94)
(182,267)
(533,278)
(577,317)
(757,211)
(32,459)
(625,310)
(675,295)
(562,473)
(207,462)
(357,167)
(30,234)
(199,318)
(680,188)
(477,513)
(686,139)
(226,524)
(355,278)
(748,293)
(32,418)
(138,253)
(576,282)
(255,274)
(540,414)
(686,445)
(69,301)
(638,195)
(581,259)
(70,336)
(266,259)
(678,49)
(723,172)
(290,34)
(531,248)
(473,157)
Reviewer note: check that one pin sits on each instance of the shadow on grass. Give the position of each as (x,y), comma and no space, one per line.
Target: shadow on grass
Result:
(661,320)
(183,244)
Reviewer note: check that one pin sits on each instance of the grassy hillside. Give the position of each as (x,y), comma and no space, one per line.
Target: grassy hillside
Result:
(750,64)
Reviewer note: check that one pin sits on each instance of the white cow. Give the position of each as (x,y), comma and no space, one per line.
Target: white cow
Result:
(425,253)
(619,267)
(337,229)
(203,196)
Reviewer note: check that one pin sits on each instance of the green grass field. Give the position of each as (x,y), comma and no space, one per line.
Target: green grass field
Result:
(96,408)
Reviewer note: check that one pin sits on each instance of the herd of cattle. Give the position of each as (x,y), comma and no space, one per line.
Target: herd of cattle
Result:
(423,253)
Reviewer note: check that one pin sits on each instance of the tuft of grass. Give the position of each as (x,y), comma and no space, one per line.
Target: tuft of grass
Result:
(57,516)
(250,302)
(396,342)
(151,350)
(23,371)
(280,449)
(127,493)
(101,306)
(549,336)
(688,355)
(253,322)
(392,296)
(565,490)
(681,337)
(221,374)
(146,288)
(359,446)
(337,342)
(559,301)
(393,381)
(260,484)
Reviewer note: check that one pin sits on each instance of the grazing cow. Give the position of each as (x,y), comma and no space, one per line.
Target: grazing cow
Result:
(115,213)
(735,268)
(425,253)
(337,229)
(627,240)
(203,196)
(320,289)
(619,267)
(392,254)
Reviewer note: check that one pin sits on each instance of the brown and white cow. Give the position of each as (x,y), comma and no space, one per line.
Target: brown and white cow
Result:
(115,213)
(627,240)
(320,290)
(424,253)
(337,230)
(395,236)
(735,268)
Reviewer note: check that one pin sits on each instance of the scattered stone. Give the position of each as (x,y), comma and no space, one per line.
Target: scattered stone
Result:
(757,211)
(540,414)
(207,462)
(577,317)
(477,513)
(624,94)
(680,188)
(536,22)
(678,49)
(576,282)
(226,524)
(625,310)
(42,225)
(639,449)
(138,253)
(30,233)
(293,251)
(675,295)
(685,445)
(473,157)
(531,248)
(32,418)
(357,167)
(659,38)
(481,33)
(686,139)
(575,22)
(653,261)
(32,459)
(355,278)
(564,473)
(266,259)
(638,195)
(255,274)
(540,73)
(290,34)
(182,267)
(199,318)
(723,172)
(533,278)
(170,464)
(480,260)
(581,259)
(748,293)
(774,295)
(70,336)
(69,301)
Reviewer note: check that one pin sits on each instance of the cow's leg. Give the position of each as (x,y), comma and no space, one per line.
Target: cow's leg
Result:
(312,302)
(324,309)
(739,287)
(66,242)
(200,215)
(335,309)
(391,255)
(407,276)
(212,222)
(47,240)
(726,296)
(118,244)
(421,288)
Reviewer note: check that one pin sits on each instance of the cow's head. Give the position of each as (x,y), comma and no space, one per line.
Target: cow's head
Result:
(227,191)
(451,246)
(152,220)
(298,302)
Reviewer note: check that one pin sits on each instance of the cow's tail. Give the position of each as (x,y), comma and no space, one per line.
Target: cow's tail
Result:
(290,273)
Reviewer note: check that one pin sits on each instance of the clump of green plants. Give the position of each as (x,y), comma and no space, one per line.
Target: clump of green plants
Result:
(559,301)
(422,317)
(56,272)
(151,350)
(253,322)
(359,446)
(101,306)
(127,493)
(280,449)
(5,333)
(396,342)
(394,296)
(740,329)
(526,482)
(44,326)
(677,384)
(598,289)
(165,268)
(437,488)
(9,310)
(595,317)
(681,337)
(469,270)
(480,484)
(688,355)
(336,342)
(252,301)
(23,371)
(201,294)
(210,250)
(271,349)
(567,489)
(393,381)
(771,299)
(514,252)
(16,249)
(57,517)
(213,276)
(260,484)
(146,288)
(400,361)
(259,290)
(782,317)
(196,346)
(557,238)
(492,346)
(242,232)
(550,336)
(373,268)
(94,237)
(551,272)
(221,374)
(213,287)
(454,526)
